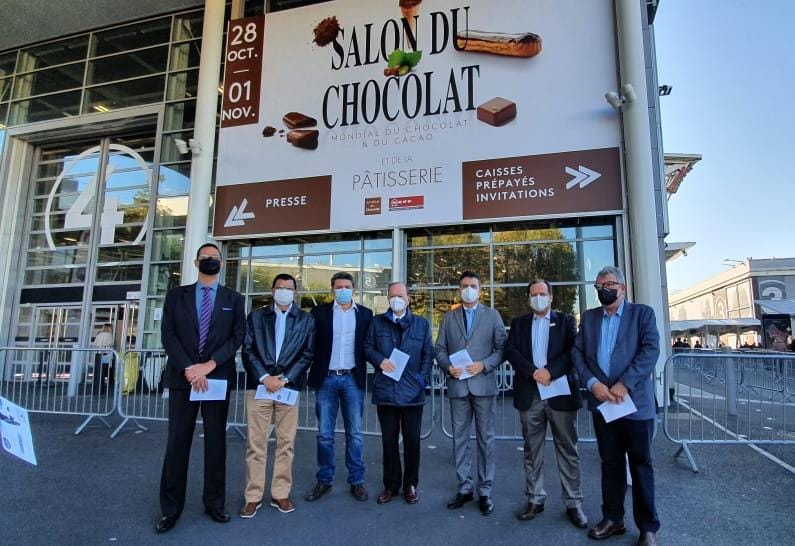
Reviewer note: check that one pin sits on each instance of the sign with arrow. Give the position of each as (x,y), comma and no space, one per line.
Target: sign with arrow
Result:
(582,177)
(238,215)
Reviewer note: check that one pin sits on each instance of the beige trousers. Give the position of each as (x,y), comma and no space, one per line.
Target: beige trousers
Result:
(259,414)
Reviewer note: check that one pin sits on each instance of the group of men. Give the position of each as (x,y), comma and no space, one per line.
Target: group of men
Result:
(613,356)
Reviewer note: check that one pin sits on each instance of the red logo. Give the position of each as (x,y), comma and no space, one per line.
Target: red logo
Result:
(409,202)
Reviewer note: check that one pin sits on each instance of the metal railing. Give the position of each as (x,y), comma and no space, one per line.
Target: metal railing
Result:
(729,398)
(61,380)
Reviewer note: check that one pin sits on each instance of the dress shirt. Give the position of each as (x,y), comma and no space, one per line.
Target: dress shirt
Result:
(540,338)
(469,316)
(199,293)
(607,340)
(343,336)
(281,326)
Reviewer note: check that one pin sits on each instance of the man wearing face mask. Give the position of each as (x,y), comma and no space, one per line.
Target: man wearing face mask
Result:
(615,353)
(539,349)
(400,402)
(277,351)
(202,328)
(338,374)
(478,329)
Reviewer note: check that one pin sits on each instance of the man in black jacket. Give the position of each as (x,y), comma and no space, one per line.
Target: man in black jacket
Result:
(338,374)
(277,351)
(202,328)
(539,349)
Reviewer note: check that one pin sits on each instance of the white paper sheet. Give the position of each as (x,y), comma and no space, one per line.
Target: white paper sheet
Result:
(461,360)
(611,411)
(15,431)
(399,359)
(558,387)
(284,395)
(216,391)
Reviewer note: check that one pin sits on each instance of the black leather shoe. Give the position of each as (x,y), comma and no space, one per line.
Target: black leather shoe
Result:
(607,528)
(530,511)
(319,490)
(410,495)
(166,523)
(218,514)
(460,500)
(647,538)
(359,492)
(577,517)
(486,505)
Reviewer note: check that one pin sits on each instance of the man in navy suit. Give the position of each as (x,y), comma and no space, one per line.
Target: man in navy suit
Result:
(202,328)
(615,353)
(338,375)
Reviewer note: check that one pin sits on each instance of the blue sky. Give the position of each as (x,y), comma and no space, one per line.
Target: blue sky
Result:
(732,67)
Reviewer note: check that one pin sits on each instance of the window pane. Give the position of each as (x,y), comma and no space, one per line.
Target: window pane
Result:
(377,272)
(597,254)
(554,262)
(263,272)
(236,275)
(5,90)
(129,198)
(516,234)
(168,147)
(119,273)
(7,62)
(333,246)
(171,211)
(131,37)
(129,178)
(274,250)
(3,122)
(377,241)
(150,324)
(597,231)
(55,276)
(511,302)
(57,257)
(180,115)
(53,53)
(67,152)
(456,235)
(60,238)
(163,277)
(174,179)
(185,55)
(182,85)
(124,94)
(69,76)
(130,65)
(443,266)
(167,245)
(121,254)
(433,304)
(43,108)
(187,26)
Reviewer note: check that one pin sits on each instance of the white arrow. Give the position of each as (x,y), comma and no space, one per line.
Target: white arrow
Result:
(238,215)
(583,177)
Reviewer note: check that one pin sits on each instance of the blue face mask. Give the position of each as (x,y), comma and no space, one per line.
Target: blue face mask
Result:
(343,295)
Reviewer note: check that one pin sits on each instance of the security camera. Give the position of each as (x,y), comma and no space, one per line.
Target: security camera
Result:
(182,146)
(628,92)
(613,99)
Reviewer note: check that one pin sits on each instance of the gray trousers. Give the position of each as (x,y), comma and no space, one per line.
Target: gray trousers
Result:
(462,411)
(564,435)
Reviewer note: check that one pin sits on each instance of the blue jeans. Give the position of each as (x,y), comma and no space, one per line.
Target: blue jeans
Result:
(336,391)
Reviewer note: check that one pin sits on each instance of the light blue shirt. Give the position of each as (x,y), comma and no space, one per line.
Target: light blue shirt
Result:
(281,326)
(540,339)
(199,293)
(607,340)
(470,318)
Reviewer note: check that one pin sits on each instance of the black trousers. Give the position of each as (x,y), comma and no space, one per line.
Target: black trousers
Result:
(182,415)
(397,420)
(625,437)
(102,373)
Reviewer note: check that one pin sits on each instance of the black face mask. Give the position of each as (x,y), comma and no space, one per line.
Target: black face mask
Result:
(210,266)
(607,296)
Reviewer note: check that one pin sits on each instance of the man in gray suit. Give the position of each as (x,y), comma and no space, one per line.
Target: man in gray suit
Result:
(472,387)
(615,353)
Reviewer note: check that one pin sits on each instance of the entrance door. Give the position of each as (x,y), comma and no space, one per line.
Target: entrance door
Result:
(54,327)
(123,320)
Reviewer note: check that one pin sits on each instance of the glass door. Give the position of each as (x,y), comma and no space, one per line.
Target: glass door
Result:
(54,327)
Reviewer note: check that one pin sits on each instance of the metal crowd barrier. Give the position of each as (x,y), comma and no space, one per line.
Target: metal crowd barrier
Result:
(508,424)
(729,398)
(62,380)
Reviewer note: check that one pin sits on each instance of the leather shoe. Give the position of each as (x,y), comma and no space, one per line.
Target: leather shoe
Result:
(285,506)
(319,490)
(607,528)
(647,538)
(359,492)
(218,514)
(166,523)
(385,496)
(459,500)
(249,509)
(486,505)
(411,495)
(577,517)
(530,511)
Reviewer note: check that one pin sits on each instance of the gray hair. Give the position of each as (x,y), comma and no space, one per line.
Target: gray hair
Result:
(610,270)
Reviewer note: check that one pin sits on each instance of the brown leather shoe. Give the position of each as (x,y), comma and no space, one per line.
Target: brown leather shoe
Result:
(385,496)
(530,511)
(647,538)
(607,528)
(411,495)
(249,509)
(319,490)
(285,506)
(359,492)
(577,517)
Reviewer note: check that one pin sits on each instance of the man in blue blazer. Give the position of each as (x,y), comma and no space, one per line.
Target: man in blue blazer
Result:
(615,353)
(338,375)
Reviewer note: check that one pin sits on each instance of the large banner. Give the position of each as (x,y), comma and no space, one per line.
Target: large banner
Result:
(354,114)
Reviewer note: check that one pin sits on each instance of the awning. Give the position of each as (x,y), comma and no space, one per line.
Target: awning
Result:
(714,325)
(777,307)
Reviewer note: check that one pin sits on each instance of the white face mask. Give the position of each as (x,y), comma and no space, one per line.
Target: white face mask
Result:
(283,296)
(397,304)
(469,294)
(539,303)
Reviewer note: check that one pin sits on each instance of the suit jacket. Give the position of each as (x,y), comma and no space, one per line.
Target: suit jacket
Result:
(259,347)
(179,330)
(324,337)
(633,359)
(519,352)
(485,344)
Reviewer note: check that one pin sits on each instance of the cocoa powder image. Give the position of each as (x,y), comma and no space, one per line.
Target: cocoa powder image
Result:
(326,30)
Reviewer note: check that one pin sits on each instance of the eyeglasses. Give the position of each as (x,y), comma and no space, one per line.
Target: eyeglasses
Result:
(610,285)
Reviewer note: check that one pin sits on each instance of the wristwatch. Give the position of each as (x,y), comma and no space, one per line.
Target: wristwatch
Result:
(285,379)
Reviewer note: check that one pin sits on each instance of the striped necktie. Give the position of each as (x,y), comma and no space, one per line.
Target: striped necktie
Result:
(204,318)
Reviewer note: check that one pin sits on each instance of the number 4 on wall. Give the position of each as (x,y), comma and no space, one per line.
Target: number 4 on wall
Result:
(78,218)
